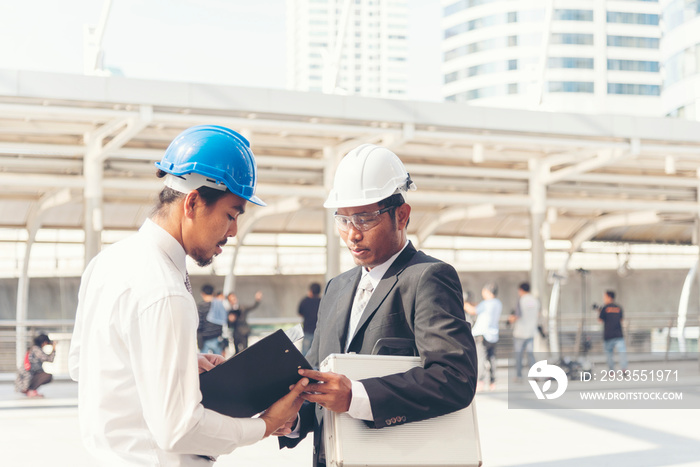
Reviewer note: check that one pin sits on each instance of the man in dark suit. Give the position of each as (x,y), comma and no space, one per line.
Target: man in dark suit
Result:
(407,293)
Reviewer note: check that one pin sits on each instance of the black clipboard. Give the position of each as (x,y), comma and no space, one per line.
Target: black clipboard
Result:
(252,380)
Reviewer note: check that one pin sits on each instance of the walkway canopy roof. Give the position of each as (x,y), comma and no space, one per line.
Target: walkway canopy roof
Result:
(477,169)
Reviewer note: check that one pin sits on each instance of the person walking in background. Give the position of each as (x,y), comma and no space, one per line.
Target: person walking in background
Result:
(395,291)
(212,317)
(485,332)
(32,375)
(524,321)
(133,350)
(611,316)
(308,310)
(241,328)
(218,314)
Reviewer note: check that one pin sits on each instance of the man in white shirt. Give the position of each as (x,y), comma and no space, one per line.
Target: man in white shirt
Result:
(134,347)
(485,331)
(395,291)
(525,321)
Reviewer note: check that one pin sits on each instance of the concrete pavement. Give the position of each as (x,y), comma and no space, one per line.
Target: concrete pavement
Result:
(45,432)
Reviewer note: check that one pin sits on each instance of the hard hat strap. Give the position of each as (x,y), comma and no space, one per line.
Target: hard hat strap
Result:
(192,181)
(410,186)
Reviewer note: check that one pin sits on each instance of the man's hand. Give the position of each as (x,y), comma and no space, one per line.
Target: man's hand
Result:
(281,412)
(288,426)
(333,391)
(207,361)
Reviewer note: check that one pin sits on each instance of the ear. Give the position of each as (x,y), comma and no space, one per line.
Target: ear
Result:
(191,202)
(403,212)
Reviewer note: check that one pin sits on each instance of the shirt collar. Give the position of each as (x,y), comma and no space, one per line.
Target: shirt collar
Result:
(167,243)
(377,272)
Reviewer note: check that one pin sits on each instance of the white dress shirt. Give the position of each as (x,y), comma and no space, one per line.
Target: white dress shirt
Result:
(525,327)
(488,313)
(360,406)
(134,355)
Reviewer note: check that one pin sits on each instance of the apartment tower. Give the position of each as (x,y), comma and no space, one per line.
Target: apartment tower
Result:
(592,56)
(352,47)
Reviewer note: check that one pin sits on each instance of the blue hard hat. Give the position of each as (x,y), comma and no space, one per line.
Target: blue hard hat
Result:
(218,155)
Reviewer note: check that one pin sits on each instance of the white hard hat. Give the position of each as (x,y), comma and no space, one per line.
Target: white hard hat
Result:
(367,175)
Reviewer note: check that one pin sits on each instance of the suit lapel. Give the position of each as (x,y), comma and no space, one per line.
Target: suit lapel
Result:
(385,286)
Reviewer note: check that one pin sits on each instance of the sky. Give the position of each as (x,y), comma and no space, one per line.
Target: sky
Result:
(233,42)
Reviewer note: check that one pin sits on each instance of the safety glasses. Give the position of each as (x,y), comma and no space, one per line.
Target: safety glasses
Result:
(363,221)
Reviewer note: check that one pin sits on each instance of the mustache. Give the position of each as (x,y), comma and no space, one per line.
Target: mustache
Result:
(223,242)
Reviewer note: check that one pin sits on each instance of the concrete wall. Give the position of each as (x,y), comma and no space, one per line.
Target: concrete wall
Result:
(57,298)
(649,299)
(643,293)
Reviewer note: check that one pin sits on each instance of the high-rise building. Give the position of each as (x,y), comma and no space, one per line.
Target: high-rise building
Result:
(348,46)
(680,58)
(592,56)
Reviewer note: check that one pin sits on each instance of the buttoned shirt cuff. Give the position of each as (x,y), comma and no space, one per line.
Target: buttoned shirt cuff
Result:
(296,431)
(360,407)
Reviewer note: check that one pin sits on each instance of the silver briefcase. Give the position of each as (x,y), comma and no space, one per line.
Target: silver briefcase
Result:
(448,440)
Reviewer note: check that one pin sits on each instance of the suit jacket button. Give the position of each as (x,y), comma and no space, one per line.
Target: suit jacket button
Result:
(403,418)
(387,421)
(393,420)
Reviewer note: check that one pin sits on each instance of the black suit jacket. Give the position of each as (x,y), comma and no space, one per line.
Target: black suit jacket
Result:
(419,298)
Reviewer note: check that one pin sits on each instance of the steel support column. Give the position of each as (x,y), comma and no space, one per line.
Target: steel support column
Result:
(93,194)
(34,221)
(331,156)
(683,303)
(93,167)
(684,300)
(23,292)
(539,230)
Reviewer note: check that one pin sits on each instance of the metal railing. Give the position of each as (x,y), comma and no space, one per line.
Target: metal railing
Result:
(644,333)
(61,331)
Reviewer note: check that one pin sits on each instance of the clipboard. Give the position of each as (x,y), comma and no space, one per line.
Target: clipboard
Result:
(252,380)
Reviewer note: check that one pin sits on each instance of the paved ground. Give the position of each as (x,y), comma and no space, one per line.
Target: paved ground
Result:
(45,432)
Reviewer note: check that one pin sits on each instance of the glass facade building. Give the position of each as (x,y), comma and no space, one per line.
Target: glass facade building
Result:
(680,58)
(360,51)
(567,55)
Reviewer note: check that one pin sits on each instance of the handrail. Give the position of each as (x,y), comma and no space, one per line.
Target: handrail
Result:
(37,322)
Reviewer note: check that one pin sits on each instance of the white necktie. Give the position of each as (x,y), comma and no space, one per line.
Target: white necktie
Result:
(364,292)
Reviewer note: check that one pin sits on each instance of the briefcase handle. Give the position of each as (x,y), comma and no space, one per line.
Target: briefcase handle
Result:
(395,343)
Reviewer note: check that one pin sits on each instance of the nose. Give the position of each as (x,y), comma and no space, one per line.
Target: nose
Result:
(354,233)
(232,229)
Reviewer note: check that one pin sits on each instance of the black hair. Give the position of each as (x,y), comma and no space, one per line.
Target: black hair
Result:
(41,340)
(207,289)
(315,288)
(611,294)
(491,287)
(525,286)
(394,201)
(168,196)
